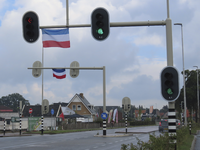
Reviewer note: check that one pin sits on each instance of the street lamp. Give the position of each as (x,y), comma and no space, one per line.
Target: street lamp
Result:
(185,114)
(197,92)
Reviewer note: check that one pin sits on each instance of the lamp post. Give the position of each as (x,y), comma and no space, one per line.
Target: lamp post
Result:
(185,114)
(197,94)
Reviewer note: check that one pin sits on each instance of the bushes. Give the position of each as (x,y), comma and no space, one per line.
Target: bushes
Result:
(159,143)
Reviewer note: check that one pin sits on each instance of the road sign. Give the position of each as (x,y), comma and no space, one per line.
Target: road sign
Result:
(74,72)
(30,111)
(104,115)
(36,72)
(52,111)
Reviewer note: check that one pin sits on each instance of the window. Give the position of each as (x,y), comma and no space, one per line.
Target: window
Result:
(73,107)
(79,107)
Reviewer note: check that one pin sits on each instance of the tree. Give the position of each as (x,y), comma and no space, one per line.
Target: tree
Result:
(12,101)
(191,92)
(164,109)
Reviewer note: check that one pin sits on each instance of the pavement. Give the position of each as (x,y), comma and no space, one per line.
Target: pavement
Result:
(130,132)
(196,142)
(13,134)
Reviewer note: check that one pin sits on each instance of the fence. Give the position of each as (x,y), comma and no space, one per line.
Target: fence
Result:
(137,123)
(90,125)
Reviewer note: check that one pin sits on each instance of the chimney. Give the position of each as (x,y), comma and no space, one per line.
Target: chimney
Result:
(81,94)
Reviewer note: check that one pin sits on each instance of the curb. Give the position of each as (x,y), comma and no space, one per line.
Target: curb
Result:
(194,141)
(114,135)
(138,132)
(15,135)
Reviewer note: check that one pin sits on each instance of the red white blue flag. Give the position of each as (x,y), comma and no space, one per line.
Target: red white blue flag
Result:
(55,38)
(59,73)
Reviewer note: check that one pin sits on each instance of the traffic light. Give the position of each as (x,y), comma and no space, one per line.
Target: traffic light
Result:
(30,26)
(100,24)
(182,105)
(170,83)
(129,107)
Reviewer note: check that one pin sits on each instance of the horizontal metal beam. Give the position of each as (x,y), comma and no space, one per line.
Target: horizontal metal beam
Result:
(82,68)
(113,24)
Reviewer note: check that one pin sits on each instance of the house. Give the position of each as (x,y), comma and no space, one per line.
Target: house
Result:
(7,114)
(81,106)
(33,120)
(5,109)
(138,115)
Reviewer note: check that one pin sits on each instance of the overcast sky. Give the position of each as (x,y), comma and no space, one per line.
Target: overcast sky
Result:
(133,56)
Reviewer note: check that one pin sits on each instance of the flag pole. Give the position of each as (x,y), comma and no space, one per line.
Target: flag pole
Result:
(42,89)
(67,13)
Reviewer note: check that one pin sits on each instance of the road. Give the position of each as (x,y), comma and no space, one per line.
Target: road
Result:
(74,141)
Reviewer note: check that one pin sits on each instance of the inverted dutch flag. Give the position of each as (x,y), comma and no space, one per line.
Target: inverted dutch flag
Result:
(55,38)
(59,73)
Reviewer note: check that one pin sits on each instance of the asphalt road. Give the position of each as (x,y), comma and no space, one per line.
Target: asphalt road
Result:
(75,141)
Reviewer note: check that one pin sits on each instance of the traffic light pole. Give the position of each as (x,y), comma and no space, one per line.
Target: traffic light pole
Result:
(84,68)
(171,111)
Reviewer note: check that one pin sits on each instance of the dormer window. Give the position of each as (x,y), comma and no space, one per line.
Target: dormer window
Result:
(79,107)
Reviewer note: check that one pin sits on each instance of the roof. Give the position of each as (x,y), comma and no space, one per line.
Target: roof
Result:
(74,116)
(5,109)
(84,101)
(37,111)
(63,104)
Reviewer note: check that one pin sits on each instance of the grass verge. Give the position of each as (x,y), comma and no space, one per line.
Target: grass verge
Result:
(161,142)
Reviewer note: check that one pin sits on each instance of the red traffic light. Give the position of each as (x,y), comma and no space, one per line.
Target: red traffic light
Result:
(30,24)
(29,19)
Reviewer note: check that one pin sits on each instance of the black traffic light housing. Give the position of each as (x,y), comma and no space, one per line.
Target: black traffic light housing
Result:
(100,24)
(170,83)
(30,26)
(182,105)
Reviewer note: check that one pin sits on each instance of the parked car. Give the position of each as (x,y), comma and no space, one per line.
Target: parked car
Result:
(163,125)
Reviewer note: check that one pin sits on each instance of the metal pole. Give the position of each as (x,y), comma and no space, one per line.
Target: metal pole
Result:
(67,13)
(104,98)
(171,112)
(126,121)
(185,109)
(42,90)
(20,126)
(4,130)
(112,24)
(197,93)
(184,92)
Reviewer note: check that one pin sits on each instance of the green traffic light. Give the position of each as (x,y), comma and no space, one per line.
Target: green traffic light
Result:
(169,91)
(100,31)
